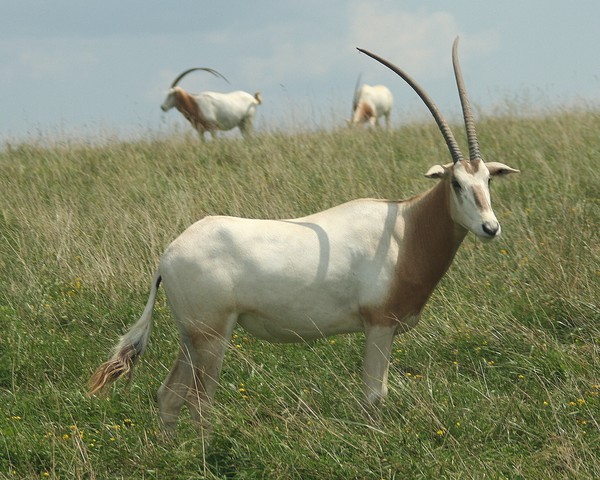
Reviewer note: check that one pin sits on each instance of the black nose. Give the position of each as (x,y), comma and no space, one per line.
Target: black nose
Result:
(490,228)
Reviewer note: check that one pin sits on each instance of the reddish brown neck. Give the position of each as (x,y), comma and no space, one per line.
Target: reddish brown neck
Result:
(364,112)
(430,241)
(431,237)
(188,107)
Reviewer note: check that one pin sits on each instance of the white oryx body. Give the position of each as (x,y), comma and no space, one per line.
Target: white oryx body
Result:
(371,103)
(292,280)
(212,111)
(364,266)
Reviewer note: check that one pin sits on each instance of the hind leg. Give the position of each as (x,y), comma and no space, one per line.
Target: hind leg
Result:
(172,394)
(207,347)
(246,128)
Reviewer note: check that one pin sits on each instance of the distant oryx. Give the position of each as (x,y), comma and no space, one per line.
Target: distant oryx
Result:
(211,111)
(370,103)
(364,266)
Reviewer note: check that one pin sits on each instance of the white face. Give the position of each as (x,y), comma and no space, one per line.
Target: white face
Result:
(470,199)
(169,101)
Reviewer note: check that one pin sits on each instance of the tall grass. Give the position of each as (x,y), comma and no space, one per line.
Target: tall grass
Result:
(499,380)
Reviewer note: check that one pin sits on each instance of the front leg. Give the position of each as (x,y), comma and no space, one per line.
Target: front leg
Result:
(200,129)
(378,347)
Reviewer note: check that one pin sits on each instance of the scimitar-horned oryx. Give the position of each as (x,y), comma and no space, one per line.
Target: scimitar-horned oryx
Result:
(364,266)
(370,103)
(213,111)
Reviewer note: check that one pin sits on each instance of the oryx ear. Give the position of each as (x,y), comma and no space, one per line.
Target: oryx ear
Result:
(438,171)
(497,168)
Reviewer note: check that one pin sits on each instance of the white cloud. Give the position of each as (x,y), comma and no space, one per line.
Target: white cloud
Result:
(39,64)
(290,61)
(417,41)
(49,59)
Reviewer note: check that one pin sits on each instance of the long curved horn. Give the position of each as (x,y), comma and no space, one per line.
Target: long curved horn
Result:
(474,154)
(442,124)
(356,86)
(209,70)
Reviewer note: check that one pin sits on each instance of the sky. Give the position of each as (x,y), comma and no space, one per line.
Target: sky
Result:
(99,69)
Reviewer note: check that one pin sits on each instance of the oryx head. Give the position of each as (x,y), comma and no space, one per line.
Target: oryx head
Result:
(468,180)
(171,98)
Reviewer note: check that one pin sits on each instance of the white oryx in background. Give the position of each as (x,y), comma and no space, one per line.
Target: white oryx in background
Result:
(212,111)
(370,103)
(364,266)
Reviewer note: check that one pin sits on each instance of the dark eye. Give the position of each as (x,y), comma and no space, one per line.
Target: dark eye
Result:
(456,185)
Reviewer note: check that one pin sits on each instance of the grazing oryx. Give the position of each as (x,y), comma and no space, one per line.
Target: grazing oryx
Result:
(211,111)
(364,266)
(370,103)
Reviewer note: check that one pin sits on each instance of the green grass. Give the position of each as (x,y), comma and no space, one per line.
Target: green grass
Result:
(501,379)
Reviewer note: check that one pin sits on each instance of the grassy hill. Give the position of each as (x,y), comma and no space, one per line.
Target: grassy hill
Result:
(501,379)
